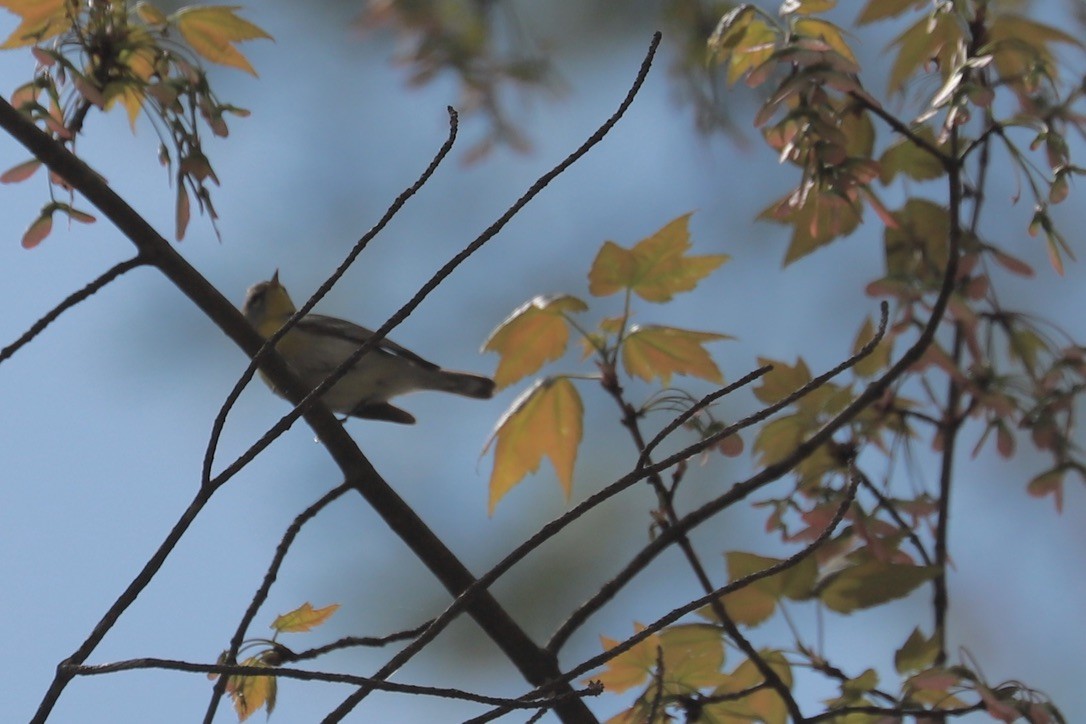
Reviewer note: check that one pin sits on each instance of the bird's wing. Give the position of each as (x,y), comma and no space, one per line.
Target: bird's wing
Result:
(341,328)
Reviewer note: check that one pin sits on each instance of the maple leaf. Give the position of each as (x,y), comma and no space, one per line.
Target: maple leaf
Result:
(764,705)
(534,334)
(631,667)
(250,693)
(656,268)
(653,351)
(212,31)
(303,618)
(545,420)
(41,19)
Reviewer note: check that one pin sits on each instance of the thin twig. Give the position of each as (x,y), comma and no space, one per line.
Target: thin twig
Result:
(360,245)
(674,615)
(533,191)
(305,675)
(261,594)
(72,299)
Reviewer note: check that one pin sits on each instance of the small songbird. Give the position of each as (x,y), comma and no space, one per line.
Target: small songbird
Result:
(318,344)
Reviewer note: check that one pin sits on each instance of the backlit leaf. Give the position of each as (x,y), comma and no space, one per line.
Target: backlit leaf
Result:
(38,230)
(817,217)
(652,351)
(905,157)
(918,652)
(764,705)
(303,618)
(936,39)
(693,655)
(655,269)
(534,334)
(212,31)
(41,19)
(251,693)
(630,668)
(782,380)
(545,420)
(882,9)
(21,172)
(871,583)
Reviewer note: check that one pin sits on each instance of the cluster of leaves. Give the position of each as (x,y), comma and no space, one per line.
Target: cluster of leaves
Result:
(1005,372)
(107,54)
(251,693)
(546,420)
(461,37)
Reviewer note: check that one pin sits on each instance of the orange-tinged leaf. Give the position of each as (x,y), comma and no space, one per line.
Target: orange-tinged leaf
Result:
(817,217)
(660,352)
(546,420)
(38,230)
(303,618)
(21,172)
(534,334)
(630,668)
(41,19)
(212,31)
(656,268)
(250,693)
(150,14)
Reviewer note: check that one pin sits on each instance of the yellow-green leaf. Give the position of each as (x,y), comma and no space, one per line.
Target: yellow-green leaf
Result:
(303,618)
(212,31)
(41,19)
(828,33)
(872,583)
(882,9)
(630,668)
(150,14)
(764,705)
(534,334)
(656,268)
(613,270)
(918,652)
(904,156)
(693,655)
(782,380)
(546,420)
(754,603)
(939,39)
(660,352)
(250,693)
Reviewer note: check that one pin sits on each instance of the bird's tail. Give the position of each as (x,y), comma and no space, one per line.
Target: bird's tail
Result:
(464,383)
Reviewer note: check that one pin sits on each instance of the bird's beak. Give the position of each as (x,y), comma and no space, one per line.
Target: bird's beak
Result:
(275,278)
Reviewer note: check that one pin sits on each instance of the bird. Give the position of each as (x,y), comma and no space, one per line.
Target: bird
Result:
(317,344)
